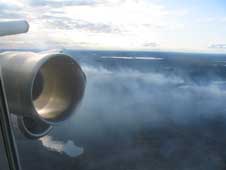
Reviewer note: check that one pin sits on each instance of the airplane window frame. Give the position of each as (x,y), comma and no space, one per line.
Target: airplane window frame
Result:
(10,146)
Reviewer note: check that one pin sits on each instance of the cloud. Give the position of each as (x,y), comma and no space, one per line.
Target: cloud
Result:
(108,23)
(73,24)
(133,110)
(130,98)
(217,46)
(10,10)
(150,44)
(60,4)
(68,147)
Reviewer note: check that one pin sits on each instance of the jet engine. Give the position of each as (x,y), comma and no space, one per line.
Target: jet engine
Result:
(42,89)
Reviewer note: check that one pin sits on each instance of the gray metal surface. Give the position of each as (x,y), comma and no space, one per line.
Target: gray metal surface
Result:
(7,137)
(42,89)
(47,87)
(13,27)
(4,165)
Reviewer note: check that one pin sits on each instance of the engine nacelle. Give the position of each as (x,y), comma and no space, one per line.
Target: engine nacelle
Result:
(42,89)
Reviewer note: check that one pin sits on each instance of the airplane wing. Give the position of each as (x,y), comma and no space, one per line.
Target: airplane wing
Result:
(13,27)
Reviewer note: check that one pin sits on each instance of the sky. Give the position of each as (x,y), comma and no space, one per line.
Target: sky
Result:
(177,25)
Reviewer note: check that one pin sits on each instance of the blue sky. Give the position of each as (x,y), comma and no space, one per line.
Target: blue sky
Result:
(178,25)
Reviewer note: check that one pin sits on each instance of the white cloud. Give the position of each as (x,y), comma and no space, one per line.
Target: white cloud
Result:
(218,46)
(68,148)
(105,24)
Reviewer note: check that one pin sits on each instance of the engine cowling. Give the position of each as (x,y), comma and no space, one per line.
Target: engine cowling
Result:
(42,89)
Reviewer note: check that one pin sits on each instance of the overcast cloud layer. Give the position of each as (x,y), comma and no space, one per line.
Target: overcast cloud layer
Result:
(118,24)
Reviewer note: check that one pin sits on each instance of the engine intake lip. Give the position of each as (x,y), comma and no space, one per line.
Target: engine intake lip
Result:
(62,88)
(33,128)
